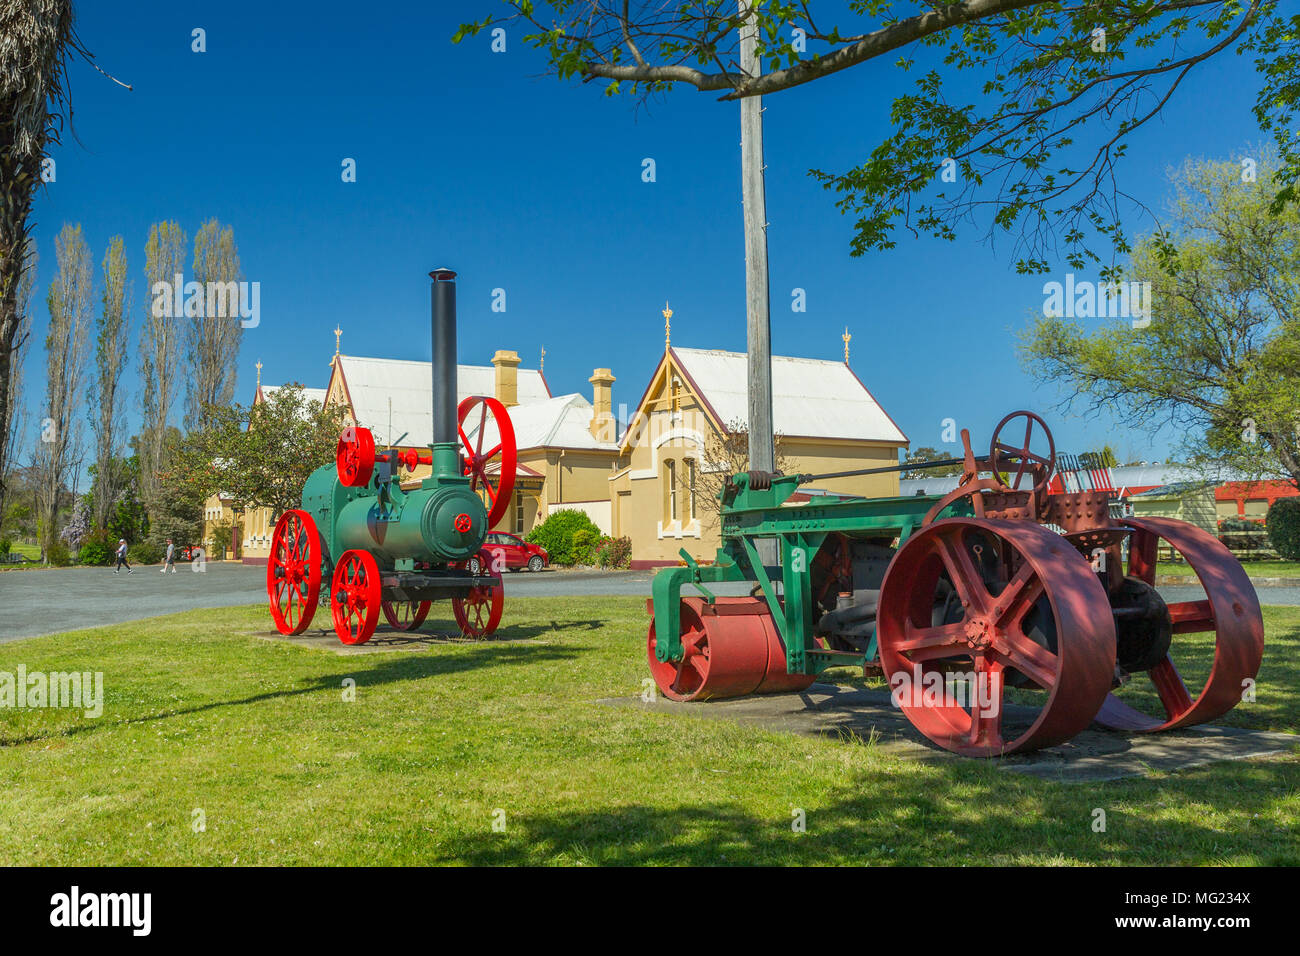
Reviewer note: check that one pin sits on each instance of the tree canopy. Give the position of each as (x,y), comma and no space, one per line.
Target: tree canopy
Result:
(260,456)
(1020,112)
(1220,358)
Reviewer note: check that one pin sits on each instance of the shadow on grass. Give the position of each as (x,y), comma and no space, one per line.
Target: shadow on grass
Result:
(887,819)
(386,669)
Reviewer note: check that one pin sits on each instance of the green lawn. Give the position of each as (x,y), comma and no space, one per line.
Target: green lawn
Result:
(1256,569)
(199,714)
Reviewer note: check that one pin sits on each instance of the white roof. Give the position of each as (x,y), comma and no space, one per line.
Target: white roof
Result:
(812,398)
(308,394)
(560,422)
(371,382)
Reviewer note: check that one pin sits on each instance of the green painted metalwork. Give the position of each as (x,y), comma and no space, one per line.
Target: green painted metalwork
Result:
(749,514)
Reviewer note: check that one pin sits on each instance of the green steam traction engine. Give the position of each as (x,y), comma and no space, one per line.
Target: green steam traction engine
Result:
(1005,618)
(379,547)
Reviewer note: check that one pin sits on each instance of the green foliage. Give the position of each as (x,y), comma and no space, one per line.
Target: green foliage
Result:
(144,552)
(930,454)
(260,456)
(614,553)
(98,548)
(5,547)
(57,554)
(1032,150)
(1283,525)
(1220,358)
(567,535)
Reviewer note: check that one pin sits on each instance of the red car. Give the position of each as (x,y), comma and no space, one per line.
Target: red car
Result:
(513,553)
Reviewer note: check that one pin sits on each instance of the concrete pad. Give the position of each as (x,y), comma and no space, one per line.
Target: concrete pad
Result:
(868,716)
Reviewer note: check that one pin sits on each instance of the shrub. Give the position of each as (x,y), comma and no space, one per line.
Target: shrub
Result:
(614,553)
(5,547)
(1283,525)
(1252,541)
(585,544)
(556,534)
(144,552)
(98,548)
(58,555)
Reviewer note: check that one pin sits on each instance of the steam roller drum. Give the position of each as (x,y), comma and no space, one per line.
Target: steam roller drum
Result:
(732,648)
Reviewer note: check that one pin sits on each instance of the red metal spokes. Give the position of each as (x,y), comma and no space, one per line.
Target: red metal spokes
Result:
(1230,611)
(1024,457)
(1045,621)
(354,457)
(405,615)
(293,572)
(479,612)
(355,597)
(500,438)
(732,648)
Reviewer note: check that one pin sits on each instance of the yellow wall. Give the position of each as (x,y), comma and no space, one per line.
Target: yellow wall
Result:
(675,431)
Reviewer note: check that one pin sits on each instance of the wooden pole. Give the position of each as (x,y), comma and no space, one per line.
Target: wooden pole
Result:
(762,446)
(762,451)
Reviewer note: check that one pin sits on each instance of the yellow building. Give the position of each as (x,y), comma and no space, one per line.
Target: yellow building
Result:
(824,416)
(649,479)
(564,460)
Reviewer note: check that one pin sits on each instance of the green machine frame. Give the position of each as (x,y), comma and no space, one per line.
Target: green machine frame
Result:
(750,513)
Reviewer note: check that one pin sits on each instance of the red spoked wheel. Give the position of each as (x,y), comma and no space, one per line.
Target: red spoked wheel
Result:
(1230,611)
(971,608)
(293,572)
(354,457)
(498,434)
(730,648)
(405,615)
(479,612)
(1002,456)
(355,597)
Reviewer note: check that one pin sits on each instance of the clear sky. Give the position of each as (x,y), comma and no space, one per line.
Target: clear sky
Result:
(477,161)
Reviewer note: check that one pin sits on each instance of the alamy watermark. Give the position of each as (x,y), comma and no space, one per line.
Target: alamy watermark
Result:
(220,300)
(1085,299)
(978,691)
(80,690)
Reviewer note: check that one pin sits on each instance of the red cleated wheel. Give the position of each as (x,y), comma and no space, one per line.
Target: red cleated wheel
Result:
(731,648)
(479,612)
(355,597)
(973,607)
(354,456)
(490,424)
(405,615)
(293,572)
(1230,611)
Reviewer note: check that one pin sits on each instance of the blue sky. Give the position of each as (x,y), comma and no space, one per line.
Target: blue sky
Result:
(475,160)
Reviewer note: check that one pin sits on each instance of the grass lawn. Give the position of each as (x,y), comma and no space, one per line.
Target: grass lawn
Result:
(200,715)
(1255,569)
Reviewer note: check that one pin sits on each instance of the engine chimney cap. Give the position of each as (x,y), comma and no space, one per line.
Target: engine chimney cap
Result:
(442,275)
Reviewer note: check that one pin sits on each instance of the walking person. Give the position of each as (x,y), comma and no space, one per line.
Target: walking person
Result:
(169,563)
(121,557)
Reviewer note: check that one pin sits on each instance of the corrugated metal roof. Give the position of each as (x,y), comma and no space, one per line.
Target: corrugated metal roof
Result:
(560,422)
(810,397)
(308,394)
(371,382)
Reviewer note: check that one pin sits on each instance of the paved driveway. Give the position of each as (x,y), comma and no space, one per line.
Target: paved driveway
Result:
(62,599)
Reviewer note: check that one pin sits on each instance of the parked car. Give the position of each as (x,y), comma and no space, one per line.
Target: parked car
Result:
(514,551)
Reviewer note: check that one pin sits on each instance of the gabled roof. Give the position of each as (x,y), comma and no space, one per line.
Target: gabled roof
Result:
(371,382)
(811,398)
(308,394)
(560,422)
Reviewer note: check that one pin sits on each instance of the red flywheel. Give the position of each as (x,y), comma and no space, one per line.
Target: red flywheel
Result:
(490,425)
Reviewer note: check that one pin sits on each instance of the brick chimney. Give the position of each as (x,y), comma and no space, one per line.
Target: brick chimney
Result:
(603,426)
(507,379)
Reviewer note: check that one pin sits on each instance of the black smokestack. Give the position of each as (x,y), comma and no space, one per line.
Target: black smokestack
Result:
(444,356)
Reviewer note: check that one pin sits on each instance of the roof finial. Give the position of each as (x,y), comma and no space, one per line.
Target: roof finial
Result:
(338,334)
(668,315)
(846,336)
(258,366)
(541,362)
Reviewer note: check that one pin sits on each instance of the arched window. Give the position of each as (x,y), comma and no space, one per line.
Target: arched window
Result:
(690,489)
(670,490)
